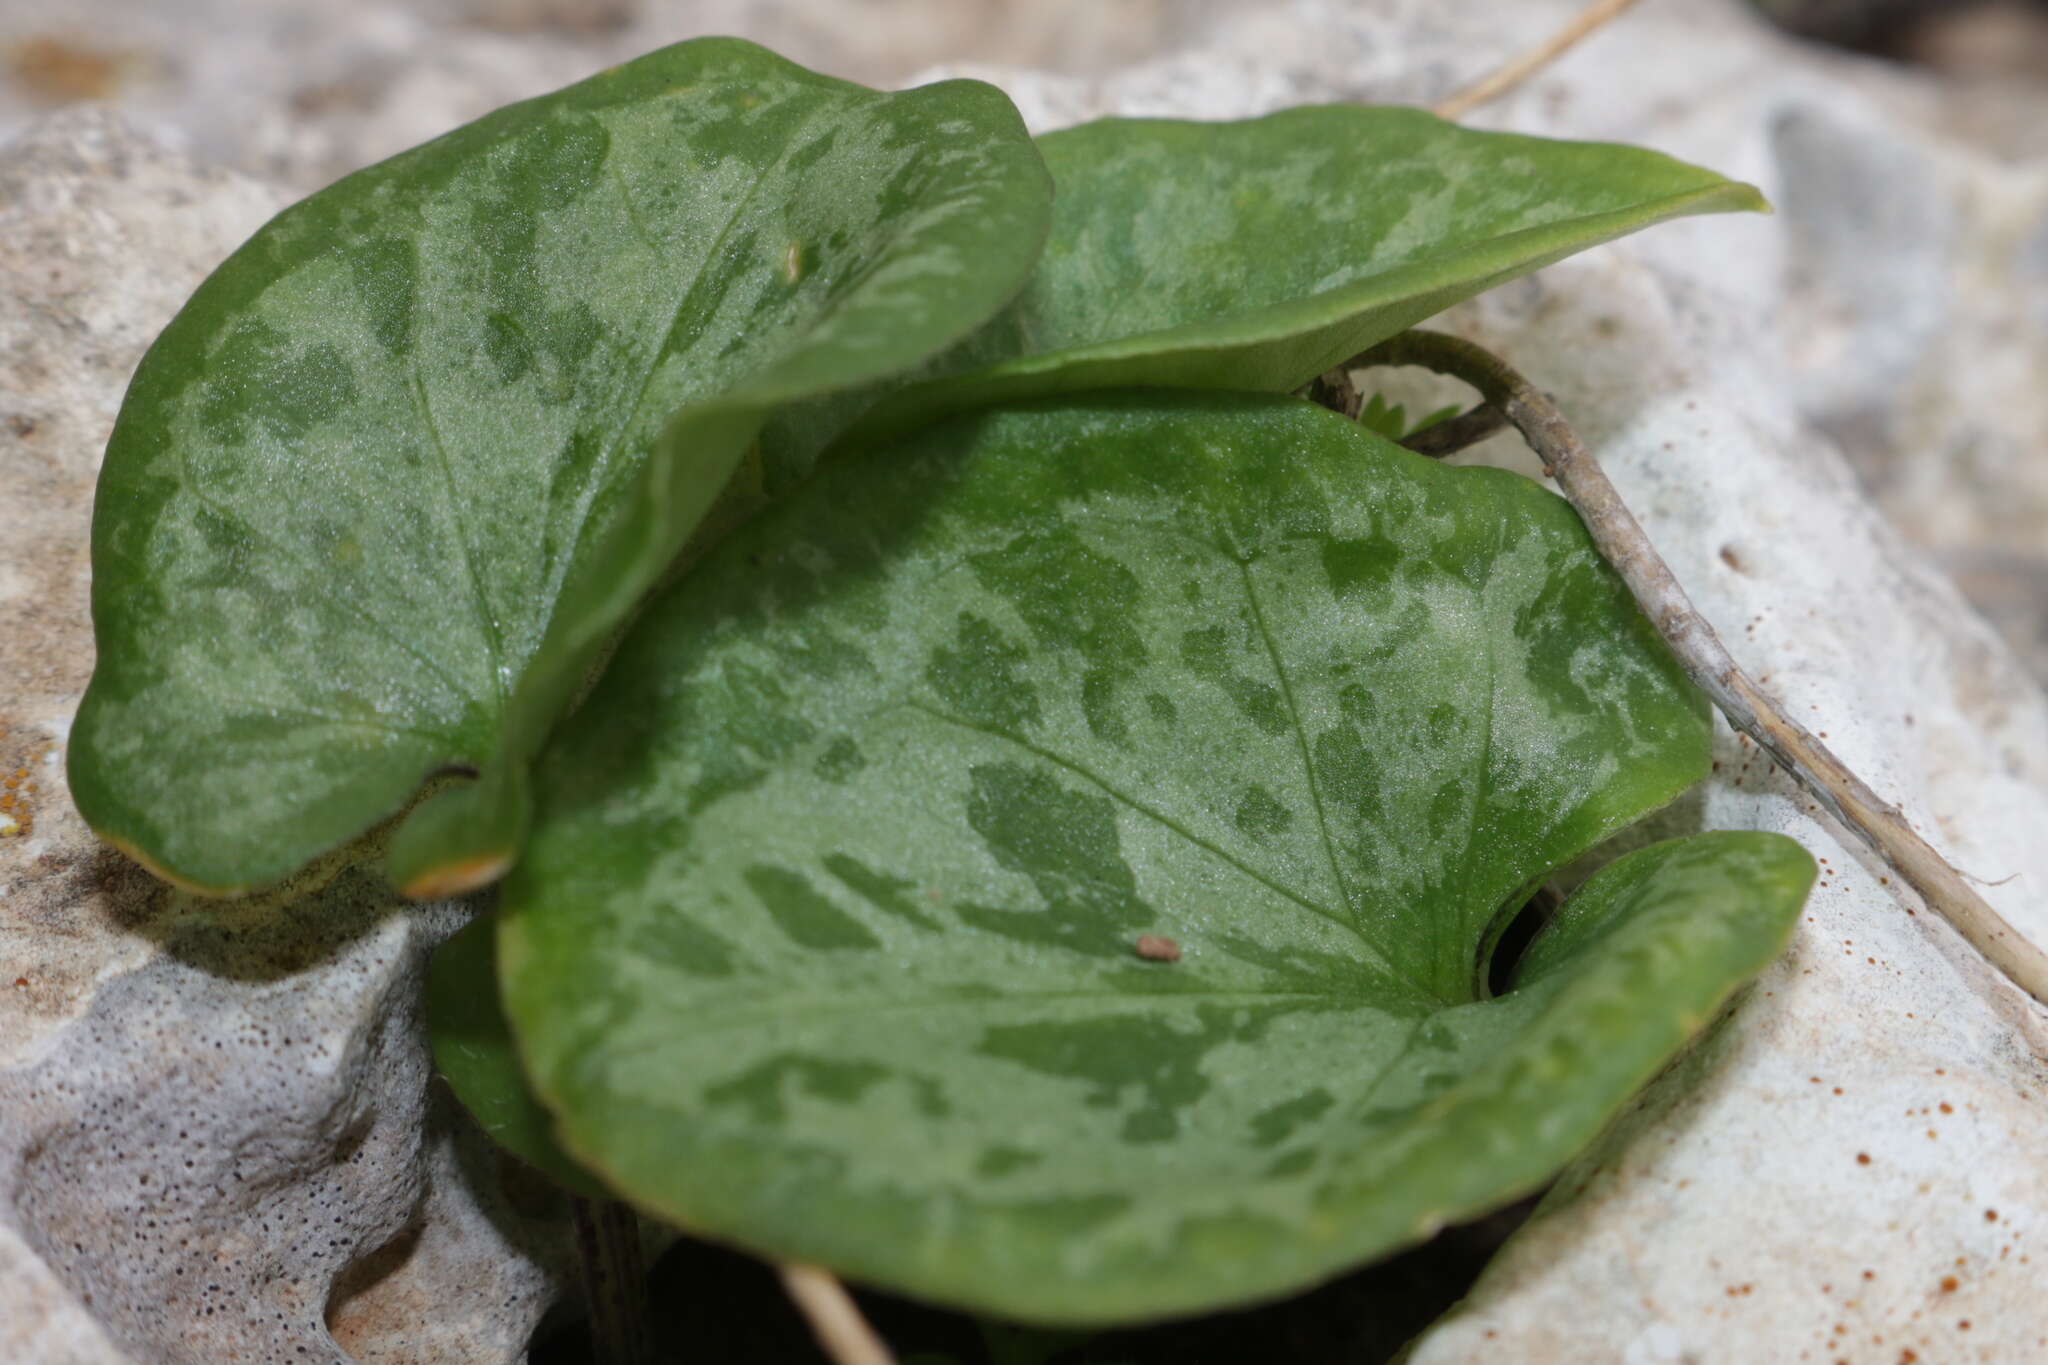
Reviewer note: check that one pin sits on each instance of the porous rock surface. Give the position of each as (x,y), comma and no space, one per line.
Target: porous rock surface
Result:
(1849,1167)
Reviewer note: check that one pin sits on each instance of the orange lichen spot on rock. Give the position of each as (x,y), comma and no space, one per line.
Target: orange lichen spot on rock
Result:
(60,71)
(1154,948)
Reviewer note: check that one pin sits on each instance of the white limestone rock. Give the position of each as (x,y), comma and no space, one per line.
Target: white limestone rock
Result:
(303,91)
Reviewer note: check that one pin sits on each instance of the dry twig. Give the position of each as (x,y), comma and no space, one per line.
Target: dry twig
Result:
(1334,390)
(1748,708)
(834,1317)
(1529,63)
(1453,435)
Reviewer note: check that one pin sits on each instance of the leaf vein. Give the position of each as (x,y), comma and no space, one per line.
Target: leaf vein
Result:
(1159,817)
(487,619)
(1308,766)
(285,550)
(666,343)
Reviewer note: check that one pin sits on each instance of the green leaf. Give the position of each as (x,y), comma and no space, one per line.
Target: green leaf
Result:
(383,492)
(474,1051)
(827,941)
(1256,255)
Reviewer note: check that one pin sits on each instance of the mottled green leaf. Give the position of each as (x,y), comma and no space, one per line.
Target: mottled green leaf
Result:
(1257,254)
(474,1052)
(384,490)
(828,938)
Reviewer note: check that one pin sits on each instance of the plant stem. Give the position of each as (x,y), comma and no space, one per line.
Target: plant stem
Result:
(1748,708)
(1334,390)
(1506,78)
(1451,436)
(614,1280)
(834,1317)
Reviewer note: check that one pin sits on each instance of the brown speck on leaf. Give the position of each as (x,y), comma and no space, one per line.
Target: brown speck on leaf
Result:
(1154,948)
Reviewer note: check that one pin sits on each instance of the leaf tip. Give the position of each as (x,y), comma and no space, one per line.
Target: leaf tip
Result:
(447,880)
(462,839)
